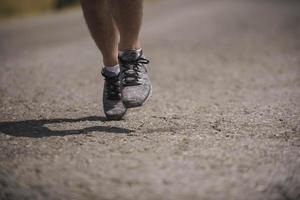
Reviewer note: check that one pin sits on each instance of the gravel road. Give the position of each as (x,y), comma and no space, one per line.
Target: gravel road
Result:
(223,121)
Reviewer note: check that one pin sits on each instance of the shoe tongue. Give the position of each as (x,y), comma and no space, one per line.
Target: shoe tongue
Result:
(130,55)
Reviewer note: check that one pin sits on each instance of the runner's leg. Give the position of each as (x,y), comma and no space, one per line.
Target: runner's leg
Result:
(103,29)
(128,17)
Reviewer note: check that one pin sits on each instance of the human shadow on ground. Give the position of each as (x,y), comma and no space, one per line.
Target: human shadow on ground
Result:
(37,128)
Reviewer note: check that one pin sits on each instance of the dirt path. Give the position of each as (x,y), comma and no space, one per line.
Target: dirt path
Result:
(223,121)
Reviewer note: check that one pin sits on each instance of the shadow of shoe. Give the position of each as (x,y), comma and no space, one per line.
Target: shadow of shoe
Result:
(36,128)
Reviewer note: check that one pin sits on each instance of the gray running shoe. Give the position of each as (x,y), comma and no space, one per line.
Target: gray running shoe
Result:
(112,102)
(135,83)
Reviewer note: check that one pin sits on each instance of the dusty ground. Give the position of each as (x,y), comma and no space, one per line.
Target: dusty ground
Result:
(223,121)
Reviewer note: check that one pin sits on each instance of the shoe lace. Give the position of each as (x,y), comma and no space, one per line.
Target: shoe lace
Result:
(132,70)
(112,87)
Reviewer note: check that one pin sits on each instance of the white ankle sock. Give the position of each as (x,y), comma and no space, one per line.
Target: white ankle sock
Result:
(113,69)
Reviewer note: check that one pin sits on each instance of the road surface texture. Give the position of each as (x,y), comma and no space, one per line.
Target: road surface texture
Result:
(223,121)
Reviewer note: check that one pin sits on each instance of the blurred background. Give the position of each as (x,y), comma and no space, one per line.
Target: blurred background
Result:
(16,8)
(223,121)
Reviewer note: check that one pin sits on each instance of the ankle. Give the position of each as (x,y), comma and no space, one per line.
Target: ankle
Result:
(126,47)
